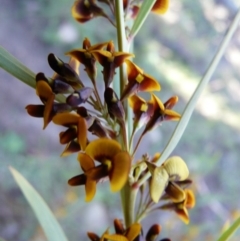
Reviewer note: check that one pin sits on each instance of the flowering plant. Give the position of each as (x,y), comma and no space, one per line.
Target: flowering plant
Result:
(103,123)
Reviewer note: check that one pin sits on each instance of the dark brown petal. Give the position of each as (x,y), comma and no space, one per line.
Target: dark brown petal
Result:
(63,69)
(97,129)
(153,232)
(169,104)
(118,225)
(86,58)
(68,135)
(115,107)
(41,76)
(71,147)
(35,110)
(97,173)
(175,192)
(93,236)
(79,97)
(84,10)
(59,86)
(77,180)
(82,111)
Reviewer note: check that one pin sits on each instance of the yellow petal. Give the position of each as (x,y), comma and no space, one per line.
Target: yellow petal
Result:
(176,168)
(65,119)
(158,183)
(183,215)
(171,115)
(43,89)
(85,161)
(160,6)
(118,176)
(157,102)
(190,199)
(133,231)
(156,157)
(47,114)
(102,149)
(114,237)
(82,132)
(135,102)
(90,188)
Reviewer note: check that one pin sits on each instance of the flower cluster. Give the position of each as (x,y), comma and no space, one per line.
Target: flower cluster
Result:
(85,10)
(133,233)
(97,129)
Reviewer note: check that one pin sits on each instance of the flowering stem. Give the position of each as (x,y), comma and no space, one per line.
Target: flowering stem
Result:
(128,196)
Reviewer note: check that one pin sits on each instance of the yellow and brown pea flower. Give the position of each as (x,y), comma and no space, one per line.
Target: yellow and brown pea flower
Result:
(85,57)
(168,183)
(77,128)
(161,112)
(110,60)
(163,178)
(65,80)
(142,110)
(85,10)
(114,163)
(49,107)
(138,81)
(133,233)
(132,8)
(181,208)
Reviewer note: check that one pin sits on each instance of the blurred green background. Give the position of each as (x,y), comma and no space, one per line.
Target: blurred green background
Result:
(176,49)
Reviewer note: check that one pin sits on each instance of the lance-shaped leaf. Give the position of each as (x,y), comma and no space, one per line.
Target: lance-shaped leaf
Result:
(44,215)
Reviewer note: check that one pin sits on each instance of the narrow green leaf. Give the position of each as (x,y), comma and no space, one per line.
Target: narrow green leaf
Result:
(16,68)
(230,231)
(44,215)
(20,71)
(141,17)
(187,113)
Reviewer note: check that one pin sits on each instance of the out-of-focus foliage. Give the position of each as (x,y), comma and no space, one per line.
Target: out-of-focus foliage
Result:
(176,49)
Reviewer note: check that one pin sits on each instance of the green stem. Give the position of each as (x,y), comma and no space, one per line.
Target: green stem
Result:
(128,198)
(128,195)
